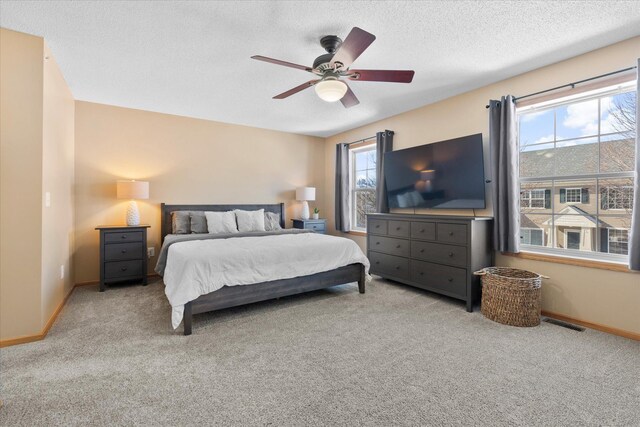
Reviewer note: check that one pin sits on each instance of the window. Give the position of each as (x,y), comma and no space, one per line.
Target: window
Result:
(576,173)
(363,181)
(573,195)
(618,241)
(531,236)
(616,198)
(534,199)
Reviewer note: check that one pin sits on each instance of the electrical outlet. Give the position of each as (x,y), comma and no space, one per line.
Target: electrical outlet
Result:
(151,252)
(62,271)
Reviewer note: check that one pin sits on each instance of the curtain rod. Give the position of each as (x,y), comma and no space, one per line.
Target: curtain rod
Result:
(361,140)
(572,85)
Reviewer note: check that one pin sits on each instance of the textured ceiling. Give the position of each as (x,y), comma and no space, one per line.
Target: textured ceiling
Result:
(192,58)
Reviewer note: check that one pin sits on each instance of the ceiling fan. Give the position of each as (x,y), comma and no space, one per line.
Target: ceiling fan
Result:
(333,69)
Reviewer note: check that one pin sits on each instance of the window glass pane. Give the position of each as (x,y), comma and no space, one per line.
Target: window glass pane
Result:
(618,114)
(535,229)
(361,160)
(617,153)
(536,196)
(577,234)
(576,156)
(371,178)
(535,127)
(616,195)
(614,234)
(371,159)
(365,202)
(576,120)
(537,160)
(361,179)
(576,197)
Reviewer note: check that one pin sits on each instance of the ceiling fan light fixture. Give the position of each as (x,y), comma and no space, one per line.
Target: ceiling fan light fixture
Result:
(331,89)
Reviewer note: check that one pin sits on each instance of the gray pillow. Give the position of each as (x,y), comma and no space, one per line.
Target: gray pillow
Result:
(180,222)
(198,222)
(272,221)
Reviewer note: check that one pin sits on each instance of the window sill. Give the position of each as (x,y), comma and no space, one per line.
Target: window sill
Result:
(580,262)
(357,233)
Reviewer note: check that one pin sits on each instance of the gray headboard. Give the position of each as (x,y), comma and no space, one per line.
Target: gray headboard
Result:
(165,212)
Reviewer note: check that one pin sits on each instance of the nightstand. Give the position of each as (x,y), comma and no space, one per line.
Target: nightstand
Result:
(317,225)
(123,254)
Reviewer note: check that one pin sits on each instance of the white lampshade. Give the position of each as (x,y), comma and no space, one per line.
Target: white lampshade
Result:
(331,90)
(133,190)
(305,193)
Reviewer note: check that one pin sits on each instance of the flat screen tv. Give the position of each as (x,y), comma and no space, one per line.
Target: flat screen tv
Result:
(442,175)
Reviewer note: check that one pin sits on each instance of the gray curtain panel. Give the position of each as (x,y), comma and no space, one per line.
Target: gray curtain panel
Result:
(343,220)
(384,143)
(505,174)
(634,239)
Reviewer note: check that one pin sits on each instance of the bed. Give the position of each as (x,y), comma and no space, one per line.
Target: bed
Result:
(244,292)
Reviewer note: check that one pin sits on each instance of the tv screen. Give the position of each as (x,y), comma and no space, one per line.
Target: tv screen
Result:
(443,175)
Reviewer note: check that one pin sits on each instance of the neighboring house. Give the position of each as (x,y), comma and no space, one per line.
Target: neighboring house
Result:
(585,214)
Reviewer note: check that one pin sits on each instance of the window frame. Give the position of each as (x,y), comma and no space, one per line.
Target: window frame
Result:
(596,255)
(566,195)
(353,190)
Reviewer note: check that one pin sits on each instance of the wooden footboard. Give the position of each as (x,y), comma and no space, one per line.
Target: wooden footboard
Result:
(232,296)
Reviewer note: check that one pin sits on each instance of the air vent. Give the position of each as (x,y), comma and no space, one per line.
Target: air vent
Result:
(563,324)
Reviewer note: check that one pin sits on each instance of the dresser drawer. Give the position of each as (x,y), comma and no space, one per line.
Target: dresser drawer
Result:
(120,269)
(441,254)
(423,230)
(448,279)
(389,245)
(452,233)
(123,251)
(399,228)
(123,236)
(389,265)
(377,226)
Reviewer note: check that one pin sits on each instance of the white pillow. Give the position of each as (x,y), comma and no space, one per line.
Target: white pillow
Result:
(250,220)
(221,222)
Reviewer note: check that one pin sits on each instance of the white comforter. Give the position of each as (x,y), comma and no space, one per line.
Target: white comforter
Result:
(199,267)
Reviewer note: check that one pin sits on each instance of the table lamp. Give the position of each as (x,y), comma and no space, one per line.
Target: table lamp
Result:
(133,190)
(303,194)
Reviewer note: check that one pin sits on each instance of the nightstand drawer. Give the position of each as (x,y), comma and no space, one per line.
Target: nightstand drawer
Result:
(123,236)
(119,269)
(123,251)
(315,226)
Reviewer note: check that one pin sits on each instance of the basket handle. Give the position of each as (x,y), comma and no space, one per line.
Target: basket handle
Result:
(543,276)
(480,273)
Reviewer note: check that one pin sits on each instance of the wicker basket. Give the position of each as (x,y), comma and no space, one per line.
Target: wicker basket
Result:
(511,296)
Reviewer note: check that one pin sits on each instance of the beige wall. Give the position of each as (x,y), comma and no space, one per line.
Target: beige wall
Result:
(57,180)
(596,296)
(21,181)
(36,124)
(185,160)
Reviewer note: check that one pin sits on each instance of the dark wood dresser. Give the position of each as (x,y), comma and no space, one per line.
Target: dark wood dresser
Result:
(436,253)
(317,225)
(123,254)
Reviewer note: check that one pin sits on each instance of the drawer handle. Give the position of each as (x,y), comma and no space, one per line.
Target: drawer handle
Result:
(422,231)
(451,279)
(378,226)
(124,236)
(397,267)
(422,273)
(397,228)
(377,243)
(377,262)
(451,233)
(450,254)
(123,268)
(315,226)
(124,251)
(397,246)
(421,251)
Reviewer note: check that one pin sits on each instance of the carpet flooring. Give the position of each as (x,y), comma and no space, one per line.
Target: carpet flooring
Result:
(393,356)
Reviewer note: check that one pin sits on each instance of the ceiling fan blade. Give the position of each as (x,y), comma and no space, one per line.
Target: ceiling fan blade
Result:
(279,62)
(349,99)
(394,76)
(352,47)
(296,89)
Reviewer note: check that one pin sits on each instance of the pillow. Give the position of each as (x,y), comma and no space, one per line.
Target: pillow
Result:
(221,222)
(250,220)
(180,222)
(198,222)
(272,221)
